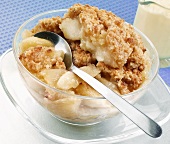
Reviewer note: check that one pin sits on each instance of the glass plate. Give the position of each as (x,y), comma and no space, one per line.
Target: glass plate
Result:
(155,103)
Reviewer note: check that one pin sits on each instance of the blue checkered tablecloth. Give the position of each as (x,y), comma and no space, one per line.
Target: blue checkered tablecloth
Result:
(14,12)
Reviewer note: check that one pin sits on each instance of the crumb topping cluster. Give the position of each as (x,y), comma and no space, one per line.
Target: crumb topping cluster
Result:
(104,34)
(35,59)
(48,24)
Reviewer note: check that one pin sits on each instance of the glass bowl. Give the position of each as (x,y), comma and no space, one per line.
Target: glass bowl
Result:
(76,109)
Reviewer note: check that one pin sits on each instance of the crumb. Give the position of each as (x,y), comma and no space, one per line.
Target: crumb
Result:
(81,57)
(48,24)
(36,59)
(126,79)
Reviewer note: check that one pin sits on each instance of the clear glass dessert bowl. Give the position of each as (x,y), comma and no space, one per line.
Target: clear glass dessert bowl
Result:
(76,109)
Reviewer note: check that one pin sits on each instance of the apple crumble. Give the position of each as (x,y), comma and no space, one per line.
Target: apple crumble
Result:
(101,38)
(102,44)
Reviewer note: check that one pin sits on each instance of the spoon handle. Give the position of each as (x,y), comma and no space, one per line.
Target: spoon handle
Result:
(149,126)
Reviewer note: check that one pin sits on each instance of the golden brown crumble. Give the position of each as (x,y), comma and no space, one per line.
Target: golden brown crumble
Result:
(48,24)
(126,79)
(81,57)
(37,58)
(104,34)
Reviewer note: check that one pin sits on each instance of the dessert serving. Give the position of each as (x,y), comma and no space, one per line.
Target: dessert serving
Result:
(102,44)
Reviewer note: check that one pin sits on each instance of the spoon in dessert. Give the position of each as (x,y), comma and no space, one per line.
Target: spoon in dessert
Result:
(145,123)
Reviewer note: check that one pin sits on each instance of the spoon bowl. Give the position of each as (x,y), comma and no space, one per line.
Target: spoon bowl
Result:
(60,44)
(145,123)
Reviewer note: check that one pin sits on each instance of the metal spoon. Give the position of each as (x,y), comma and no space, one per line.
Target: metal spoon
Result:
(149,126)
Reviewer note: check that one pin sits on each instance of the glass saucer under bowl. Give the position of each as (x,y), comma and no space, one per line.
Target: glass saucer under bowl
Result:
(155,103)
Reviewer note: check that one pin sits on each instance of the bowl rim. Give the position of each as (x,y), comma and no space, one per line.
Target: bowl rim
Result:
(125,96)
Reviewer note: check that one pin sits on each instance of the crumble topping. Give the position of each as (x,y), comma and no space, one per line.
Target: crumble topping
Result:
(35,59)
(48,24)
(80,56)
(102,33)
